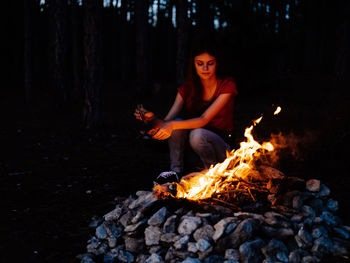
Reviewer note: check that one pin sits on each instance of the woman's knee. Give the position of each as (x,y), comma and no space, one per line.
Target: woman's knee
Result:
(197,137)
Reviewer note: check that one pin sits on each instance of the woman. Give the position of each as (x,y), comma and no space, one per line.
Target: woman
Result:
(208,101)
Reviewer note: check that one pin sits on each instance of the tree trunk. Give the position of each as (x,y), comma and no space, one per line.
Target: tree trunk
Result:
(204,16)
(181,21)
(141,16)
(93,63)
(58,52)
(28,18)
(124,62)
(77,92)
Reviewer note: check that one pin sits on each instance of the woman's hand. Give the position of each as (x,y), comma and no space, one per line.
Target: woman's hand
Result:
(142,114)
(164,131)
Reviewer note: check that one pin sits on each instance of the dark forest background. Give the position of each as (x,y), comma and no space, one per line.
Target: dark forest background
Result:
(77,58)
(74,71)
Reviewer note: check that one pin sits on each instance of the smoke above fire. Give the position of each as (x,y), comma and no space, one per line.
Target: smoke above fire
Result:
(290,144)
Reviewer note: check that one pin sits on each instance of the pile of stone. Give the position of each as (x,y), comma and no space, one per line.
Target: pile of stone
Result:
(299,226)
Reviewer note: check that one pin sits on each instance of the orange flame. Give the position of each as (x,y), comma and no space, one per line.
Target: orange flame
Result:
(278,110)
(237,166)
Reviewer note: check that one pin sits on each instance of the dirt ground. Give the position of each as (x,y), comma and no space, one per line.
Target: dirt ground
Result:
(56,178)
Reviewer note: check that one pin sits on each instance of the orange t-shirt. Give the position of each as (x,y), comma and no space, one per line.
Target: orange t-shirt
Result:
(223,120)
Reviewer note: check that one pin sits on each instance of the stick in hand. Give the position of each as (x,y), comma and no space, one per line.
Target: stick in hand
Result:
(148,118)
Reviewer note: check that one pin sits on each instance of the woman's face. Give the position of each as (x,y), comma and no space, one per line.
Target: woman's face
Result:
(205,65)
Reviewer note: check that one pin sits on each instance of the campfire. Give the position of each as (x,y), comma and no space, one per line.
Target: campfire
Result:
(240,210)
(240,177)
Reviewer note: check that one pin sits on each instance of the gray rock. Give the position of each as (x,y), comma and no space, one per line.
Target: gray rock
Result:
(309,259)
(243,232)
(169,254)
(155,258)
(139,215)
(141,258)
(112,241)
(295,256)
(191,247)
(305,237)
(297,202)
(269,260)
(155,249)
(221,226)
(142,192)
(244,215)
(232,254)
(86,258)
(144,201)
(202,245)
(114,214)
(204,255)
(340,250)
(125,256)
(188,225)
(250,252)
(322,245)
(182,242)
(214,259)
(230,227)
(277,221)
(112,230)
(134,245)
(278,233)
(101,232)
(204,232)
(319,231)
(182,254)
(328,218)
(308,211)
(273,247)
(135,227)
(126,218)
(287,198)
(158,218)
(297,218)
(339,232)
(346,228)
(170,224)
(332,205)
(191,260)
(92,245)
(313,185)
(317,205)
(152,235)
(299,242)
(324,191)
(204,215)
(281,256)
(167,238)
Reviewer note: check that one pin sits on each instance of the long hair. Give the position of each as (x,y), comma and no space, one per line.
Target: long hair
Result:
(193,86)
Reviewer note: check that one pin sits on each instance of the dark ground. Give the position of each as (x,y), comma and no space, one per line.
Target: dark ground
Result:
(55,178)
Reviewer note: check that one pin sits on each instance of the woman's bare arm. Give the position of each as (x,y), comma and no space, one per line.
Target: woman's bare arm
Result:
(167,128)
(175,108)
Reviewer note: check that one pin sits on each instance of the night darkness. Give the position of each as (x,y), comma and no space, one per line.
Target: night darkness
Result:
(74,71)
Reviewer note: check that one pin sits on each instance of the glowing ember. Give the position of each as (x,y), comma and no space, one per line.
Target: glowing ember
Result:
(236,169)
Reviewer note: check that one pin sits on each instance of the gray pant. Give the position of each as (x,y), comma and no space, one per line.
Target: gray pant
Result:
(210,147)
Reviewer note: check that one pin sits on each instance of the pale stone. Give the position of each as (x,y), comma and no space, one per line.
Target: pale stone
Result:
(313,185)
(188,225)
(152,235)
